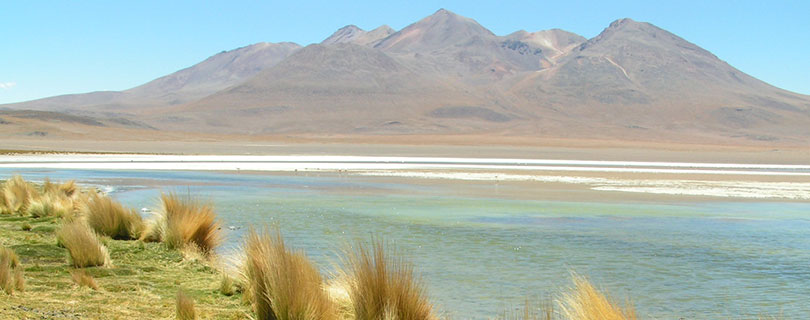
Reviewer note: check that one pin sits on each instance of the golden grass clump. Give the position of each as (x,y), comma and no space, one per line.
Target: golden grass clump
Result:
(185,307)
(108,217)
(18,194)
(83,245)
(3,208)
(11,272)
(183,221)
(50,205)
(82,279)
(67,189)
(226,286)
(382,286)
(585,302)
(281,283)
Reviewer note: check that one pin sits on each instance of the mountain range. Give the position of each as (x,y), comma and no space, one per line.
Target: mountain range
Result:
(448,75)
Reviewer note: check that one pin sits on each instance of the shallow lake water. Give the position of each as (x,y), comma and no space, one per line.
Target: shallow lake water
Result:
(482,255)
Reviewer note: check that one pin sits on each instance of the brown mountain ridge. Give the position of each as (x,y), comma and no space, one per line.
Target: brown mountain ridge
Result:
(447,74)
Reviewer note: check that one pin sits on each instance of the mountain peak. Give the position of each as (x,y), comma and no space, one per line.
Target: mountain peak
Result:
(623,22)
(626,31)
(441,29)
(345,34)
(356,35)
(443,11)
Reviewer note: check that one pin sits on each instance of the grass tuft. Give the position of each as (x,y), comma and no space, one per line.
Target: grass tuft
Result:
(109,218)
(281,283)
(81,278)
(83,245)
(17,194)
(185,307)
(226,286)
(585,302)
(185,221)
(382,286)
(50,205)
(68,188)
(11,272)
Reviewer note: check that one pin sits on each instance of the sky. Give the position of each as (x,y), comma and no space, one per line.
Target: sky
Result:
(50,48)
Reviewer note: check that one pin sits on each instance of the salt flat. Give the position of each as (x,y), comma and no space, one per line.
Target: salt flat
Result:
(736,180)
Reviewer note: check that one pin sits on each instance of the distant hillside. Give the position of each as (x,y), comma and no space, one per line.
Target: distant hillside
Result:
(447,74)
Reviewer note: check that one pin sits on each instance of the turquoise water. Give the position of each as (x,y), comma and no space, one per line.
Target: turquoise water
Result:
(480,256)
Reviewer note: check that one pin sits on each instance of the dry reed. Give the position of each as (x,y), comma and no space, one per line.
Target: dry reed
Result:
(183,221)
(185,307)
(82,279)
(83,245)
(11,272)
(17,194)
(382,286)
(585,302)
(280,283)
(108,217)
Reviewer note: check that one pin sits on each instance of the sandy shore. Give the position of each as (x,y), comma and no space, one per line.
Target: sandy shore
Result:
(701,179)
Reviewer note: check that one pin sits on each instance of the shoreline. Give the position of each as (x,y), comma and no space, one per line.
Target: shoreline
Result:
(755,181)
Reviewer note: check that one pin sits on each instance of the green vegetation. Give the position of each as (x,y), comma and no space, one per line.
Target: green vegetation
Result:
(63,259)
(141,284)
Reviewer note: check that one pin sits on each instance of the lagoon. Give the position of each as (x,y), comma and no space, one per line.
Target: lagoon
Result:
(482,251)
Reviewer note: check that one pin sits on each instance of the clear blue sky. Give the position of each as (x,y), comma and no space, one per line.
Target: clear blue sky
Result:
(58,47)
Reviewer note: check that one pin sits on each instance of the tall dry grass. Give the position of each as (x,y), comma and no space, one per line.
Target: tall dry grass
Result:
(17,194)
(83,245)
(108,217)
(185,307)
(585,302)
(281,283)
(82,279)
(183,221)
(383,286)
(50,204)
(11,272)
(67,189)
(3,208)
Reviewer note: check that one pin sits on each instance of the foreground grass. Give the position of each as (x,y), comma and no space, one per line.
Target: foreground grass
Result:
(142,284)
(73,269)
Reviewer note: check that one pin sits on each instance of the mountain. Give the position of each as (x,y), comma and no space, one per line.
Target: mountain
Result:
(218,72)
(353,34)
(436,31)
(343,87)
(637,76)
(447,74)
(553,43)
